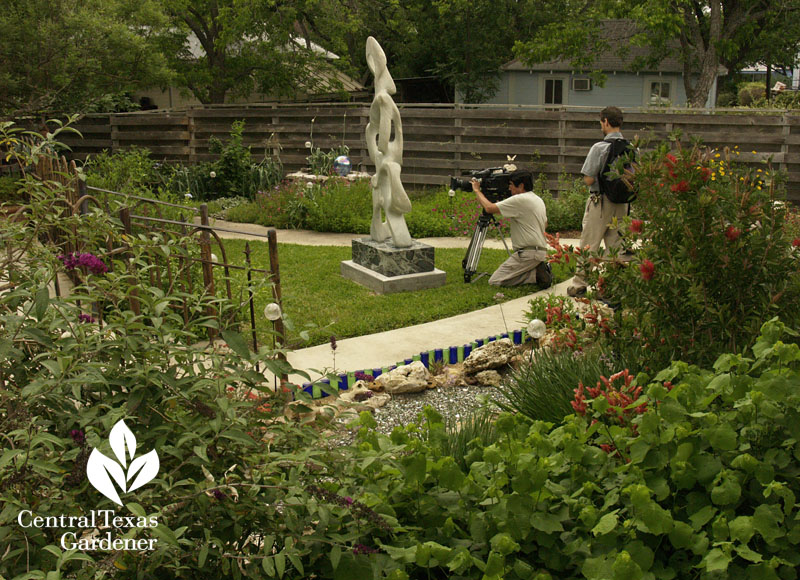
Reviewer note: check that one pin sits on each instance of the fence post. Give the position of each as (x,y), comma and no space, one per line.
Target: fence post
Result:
(251,298)
(208,267)
(272,237)
(192,143)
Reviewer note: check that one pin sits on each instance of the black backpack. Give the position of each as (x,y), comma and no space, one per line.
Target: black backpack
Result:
(613,186)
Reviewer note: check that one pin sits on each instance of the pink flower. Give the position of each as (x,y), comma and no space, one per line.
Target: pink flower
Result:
(636,226)
(648,269)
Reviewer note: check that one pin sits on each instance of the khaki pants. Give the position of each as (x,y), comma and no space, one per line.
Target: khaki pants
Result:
(520,268)
(597,227)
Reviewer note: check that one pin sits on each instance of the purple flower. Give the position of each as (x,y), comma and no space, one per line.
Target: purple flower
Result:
(362,549)
(333,342)
(361,376)
(89,261)
(78,436)
(219,494)
(86,318)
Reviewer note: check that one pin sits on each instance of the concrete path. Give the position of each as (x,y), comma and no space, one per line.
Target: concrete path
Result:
(390,347)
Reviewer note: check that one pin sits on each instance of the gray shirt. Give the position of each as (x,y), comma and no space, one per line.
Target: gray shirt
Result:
(596,159)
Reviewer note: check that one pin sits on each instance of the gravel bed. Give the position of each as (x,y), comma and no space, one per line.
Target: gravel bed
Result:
(454,403)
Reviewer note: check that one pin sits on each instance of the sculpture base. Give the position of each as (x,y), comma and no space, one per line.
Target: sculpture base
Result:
(389,260)
(381,284)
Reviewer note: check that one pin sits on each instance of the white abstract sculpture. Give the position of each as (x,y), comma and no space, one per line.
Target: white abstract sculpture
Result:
(386,151)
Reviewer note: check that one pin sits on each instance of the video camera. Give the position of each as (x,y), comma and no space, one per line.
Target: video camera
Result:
(494,183)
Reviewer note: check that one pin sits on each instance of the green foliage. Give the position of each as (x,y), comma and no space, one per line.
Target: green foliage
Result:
(9,189)
(750,93)
(542,388)
(131,170)
(49,64)
(566,211)
(715,258)
(736,34)
(248,48)
(321,162)
(338,205)
(234,174)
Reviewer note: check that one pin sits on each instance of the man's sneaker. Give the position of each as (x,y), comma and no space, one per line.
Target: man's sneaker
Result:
(576,291)
(544,275)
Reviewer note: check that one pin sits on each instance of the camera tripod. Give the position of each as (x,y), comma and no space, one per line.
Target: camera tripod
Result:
(470,262)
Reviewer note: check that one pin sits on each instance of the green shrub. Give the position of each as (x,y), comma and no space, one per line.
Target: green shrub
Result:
(9,189)
(131,171)
(564,212)
(696,477)
(715,258)
(750,93)
(338,205)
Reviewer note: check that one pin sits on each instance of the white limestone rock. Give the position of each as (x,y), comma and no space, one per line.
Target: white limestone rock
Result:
(488,378)
(411,378)
(493,355)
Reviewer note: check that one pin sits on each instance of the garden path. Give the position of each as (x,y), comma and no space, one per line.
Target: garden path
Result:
(388,348)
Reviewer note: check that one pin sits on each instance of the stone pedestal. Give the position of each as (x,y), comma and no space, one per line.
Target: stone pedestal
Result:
(384,268)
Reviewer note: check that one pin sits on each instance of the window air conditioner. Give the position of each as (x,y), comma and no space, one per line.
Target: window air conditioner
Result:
(581,84)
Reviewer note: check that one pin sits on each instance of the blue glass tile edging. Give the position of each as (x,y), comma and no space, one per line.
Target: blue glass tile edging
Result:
(451,355)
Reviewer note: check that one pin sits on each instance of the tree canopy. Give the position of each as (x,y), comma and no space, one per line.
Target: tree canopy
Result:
(70,55)
(702,34)
(67,55)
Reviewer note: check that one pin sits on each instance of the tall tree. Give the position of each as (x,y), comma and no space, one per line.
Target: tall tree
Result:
(224,48)
(60,56)
(702,33)
(463,43)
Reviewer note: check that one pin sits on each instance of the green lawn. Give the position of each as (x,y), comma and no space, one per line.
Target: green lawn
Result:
(318,299)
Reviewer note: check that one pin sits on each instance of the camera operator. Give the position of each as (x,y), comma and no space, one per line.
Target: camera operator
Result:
(527,216)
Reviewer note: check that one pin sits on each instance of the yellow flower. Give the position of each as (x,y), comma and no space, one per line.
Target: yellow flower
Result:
(753,152)
(717,155)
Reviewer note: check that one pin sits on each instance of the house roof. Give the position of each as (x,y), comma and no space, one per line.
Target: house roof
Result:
(618,33)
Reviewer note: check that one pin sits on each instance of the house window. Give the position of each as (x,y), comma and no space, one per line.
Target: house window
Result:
(659,93)
(553,91)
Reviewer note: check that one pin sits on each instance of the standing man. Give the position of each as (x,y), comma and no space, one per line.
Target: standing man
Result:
(528,218)
(601,214)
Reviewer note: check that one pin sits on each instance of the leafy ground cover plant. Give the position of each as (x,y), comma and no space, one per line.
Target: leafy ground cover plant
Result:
(692,474)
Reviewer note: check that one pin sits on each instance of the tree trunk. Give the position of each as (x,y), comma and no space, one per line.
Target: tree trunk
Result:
(704,44)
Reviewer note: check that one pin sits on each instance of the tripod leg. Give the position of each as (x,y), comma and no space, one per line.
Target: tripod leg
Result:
(501,236)
(470,262)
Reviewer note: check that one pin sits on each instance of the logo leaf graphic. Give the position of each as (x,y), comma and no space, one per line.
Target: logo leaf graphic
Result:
(121,437)
(148,464)
(103,471)
(100,469)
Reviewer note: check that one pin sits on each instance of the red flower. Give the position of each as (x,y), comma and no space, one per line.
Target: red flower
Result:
(636,226)
(648,269)
(705,173)
(670,162)
(732,233)
(796,243)
(681,187)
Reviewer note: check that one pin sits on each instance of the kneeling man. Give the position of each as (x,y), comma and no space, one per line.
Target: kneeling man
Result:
(527,216)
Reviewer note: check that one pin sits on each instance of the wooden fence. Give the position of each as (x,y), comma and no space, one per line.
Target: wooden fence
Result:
(440,141)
